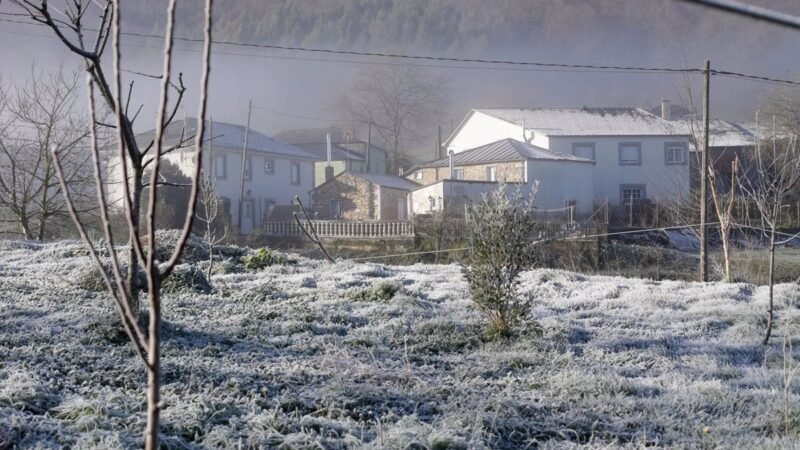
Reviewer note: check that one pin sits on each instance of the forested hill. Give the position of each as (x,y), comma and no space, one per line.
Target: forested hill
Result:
(472,27)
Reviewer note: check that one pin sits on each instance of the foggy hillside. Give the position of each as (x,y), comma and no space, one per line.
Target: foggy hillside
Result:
(296,89)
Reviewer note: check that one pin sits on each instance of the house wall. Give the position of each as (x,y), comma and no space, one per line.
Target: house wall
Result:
(481,129)
(513,172)
(262,187)
(662,182)
(560,182)
(390,200)
(357,196)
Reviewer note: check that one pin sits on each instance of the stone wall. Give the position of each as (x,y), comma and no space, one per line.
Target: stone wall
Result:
(390,198)
(357,197)
(513,172)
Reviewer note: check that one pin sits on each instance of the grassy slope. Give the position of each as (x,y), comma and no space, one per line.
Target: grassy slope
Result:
(286,356)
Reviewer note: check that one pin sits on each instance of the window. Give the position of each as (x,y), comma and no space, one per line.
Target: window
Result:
(675,153)
(458,174)
(432,201)
(295,173)
(219,166)
(269,166)
(418,175)
(631,193)
(336,209)
(630,154)
(491,173)
(269,205)
(247,172)
(583,150)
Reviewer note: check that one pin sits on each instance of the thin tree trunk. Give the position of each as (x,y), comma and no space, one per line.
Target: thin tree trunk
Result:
(771,313)
(153,361)
(726,252)
(48,169)
(133,259)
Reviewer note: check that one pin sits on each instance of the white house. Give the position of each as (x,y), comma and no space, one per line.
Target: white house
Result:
(561,180)
(637,154)
(274,172)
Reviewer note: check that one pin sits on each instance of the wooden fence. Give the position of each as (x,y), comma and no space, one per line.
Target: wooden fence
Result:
(337,229)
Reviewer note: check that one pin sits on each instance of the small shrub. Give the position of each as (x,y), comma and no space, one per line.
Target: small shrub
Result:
(90,278)
(264,257)
(186,279)
(196,248)
(381,292)
(502,246)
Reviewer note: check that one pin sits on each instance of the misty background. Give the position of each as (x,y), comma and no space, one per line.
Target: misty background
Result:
(293,89)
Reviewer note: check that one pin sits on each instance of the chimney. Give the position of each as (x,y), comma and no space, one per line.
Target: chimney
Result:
(400,171)
(451,153)
(328,173)
(328,140)
(666,109)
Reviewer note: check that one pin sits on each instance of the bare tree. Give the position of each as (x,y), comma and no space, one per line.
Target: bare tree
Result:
(210,204)
(773,173)
(402,103)
(69,23)
(147,346)
(41,115)
(723,206)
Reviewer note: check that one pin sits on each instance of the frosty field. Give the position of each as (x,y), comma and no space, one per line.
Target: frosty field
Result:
(306,355)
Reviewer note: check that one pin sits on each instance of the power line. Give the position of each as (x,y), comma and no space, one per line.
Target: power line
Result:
(751,11)
(493,63)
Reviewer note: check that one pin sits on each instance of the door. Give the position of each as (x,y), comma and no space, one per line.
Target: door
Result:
(402,209)
(247,217)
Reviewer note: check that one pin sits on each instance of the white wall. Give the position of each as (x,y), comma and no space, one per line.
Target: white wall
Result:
(560,182)
(662,182)
(481,129)
(275,187)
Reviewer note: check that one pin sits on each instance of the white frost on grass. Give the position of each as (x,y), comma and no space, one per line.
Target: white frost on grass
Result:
(304,356)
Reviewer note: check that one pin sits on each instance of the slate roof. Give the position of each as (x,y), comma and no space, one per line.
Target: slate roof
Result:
(587,121)
(389,181)
(230,136)
(306,135)
(501,151)
(338,153)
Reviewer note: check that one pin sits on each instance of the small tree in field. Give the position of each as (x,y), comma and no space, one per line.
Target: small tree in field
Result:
(209,215)
(723,206)
(501,229)
(775,172)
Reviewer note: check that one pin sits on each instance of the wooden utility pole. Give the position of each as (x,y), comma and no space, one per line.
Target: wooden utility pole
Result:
(438,142)
(244,162)
(704,176)
(211,148)
(369,146)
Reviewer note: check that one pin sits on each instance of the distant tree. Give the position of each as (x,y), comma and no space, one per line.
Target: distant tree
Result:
(40,116)
(211,215)
(402,103)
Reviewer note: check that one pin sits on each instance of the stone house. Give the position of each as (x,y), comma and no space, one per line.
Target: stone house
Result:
(361,196)
(560,180)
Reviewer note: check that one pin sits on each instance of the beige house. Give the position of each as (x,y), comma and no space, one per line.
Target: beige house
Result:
(360,196)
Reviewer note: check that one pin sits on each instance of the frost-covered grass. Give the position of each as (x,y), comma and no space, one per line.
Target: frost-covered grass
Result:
(318,355)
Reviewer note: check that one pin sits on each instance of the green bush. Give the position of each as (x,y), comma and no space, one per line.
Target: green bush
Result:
(264,257)
(381,292)
(501,228)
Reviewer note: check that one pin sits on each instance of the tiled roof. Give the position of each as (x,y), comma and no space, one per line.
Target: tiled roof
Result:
(587,121)
(338,153)
(721,133)
(503,150)
(229,136)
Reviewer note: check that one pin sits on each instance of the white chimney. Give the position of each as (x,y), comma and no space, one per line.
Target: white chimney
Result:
(666,109)
(451,153)
(328,139)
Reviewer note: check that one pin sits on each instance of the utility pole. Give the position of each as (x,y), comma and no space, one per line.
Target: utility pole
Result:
(438,142)
(211,148)
(369,146)
(704,176)
(244,163)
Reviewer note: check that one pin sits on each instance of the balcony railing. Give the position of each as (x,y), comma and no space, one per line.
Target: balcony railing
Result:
(344,229)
